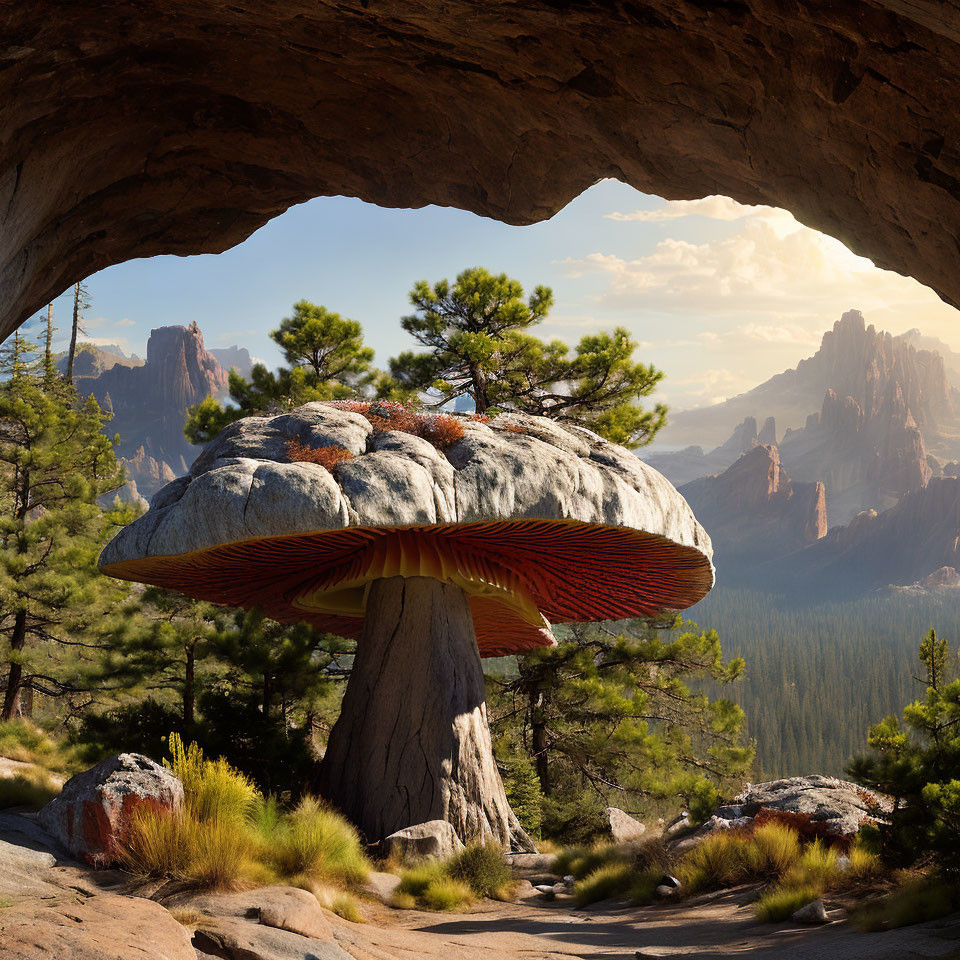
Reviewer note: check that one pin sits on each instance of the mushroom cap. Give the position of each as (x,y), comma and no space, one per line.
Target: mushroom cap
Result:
(533,519)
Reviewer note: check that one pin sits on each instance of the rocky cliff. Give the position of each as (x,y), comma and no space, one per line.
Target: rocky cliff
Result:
(149,402)
(854,360)
(867,454)
(902,545)
(754,512)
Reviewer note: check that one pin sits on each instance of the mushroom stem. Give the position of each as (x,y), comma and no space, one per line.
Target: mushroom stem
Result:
(412,742)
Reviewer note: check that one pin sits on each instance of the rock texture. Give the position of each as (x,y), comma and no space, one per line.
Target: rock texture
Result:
(838,804)
(899,546)
(623,827)
(436,838)
(93,809)
(104,927)
(418,752)
(854,360)
(875,399)
(181,127)
(867,459)
(149,403)
(754,512)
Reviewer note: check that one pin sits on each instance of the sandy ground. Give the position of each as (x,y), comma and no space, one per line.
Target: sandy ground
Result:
(712,926)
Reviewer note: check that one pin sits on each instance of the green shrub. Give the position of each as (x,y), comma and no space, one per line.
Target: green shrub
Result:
(212,789)
(444,893)
(30,789)
(816,867)
(782,902)
(482,867)
(415,880)
(319,843)
(346,906)
(228,835)
(604,883)
(643,889)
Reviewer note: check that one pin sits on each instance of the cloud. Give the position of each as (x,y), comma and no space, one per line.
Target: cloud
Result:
(125,322)
(783,280)
(713,208)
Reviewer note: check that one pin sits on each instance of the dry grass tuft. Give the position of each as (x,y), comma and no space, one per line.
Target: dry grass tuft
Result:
(326,457)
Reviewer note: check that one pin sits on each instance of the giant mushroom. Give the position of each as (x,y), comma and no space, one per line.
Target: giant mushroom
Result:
(434,542)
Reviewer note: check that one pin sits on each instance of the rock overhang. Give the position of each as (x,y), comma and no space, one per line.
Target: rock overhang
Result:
(182,127)
(532,519)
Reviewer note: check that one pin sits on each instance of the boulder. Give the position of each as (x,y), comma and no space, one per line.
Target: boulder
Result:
(242,940)
(814,912)
(95,807)
(103,927)
(838,804)
(381,886)
(623,827)
(435,838)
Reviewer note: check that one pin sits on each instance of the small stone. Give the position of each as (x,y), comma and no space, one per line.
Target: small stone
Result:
(547,892)
(814,912)
(569,881)
(665,892)
(669,881)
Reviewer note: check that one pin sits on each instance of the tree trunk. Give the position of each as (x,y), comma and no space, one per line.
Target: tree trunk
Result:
(72,353)
(412,742)
(539,737)
(11,699)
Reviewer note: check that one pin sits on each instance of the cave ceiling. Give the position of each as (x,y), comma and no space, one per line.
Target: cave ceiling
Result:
(130,129)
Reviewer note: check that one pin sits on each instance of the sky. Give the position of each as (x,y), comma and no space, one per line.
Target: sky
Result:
(719,296)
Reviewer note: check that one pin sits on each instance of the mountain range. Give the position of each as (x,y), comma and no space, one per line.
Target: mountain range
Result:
(858,492)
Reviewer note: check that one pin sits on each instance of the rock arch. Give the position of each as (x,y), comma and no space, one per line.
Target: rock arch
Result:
(180,126)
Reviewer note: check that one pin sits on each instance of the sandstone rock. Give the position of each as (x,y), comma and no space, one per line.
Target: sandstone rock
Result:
(812,913)
(284,908)
(244,940)
(623,827)
(381,886)
(90,814)
(104,927)
(436,838)
(665,891)
(524,890)
(755,513)
(901,545)
(150,403)
(531,862)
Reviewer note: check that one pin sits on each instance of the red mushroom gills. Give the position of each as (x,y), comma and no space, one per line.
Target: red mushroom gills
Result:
(520,575)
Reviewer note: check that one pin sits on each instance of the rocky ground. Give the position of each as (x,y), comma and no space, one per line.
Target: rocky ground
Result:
(52,908)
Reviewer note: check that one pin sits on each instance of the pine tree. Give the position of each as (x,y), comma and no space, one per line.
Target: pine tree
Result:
(612,718)
(54,464)
(917,762)
(164,642)
(478,346)
(81,300)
